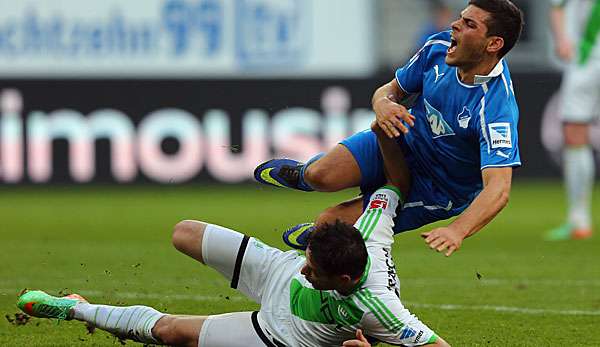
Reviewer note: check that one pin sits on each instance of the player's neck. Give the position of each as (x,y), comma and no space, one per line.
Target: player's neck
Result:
(467,74)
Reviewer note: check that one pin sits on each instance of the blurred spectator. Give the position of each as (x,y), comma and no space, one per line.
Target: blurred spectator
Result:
(441,17)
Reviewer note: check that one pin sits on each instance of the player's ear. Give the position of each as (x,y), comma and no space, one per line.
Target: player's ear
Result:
(495,44)
(346,279)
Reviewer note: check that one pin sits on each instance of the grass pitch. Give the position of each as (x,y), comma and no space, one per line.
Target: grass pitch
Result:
(505,287)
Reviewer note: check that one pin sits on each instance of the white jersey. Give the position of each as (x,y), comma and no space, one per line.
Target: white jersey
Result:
(581,25)
(297,314)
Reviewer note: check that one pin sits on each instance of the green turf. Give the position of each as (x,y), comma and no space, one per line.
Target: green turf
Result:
(113,245)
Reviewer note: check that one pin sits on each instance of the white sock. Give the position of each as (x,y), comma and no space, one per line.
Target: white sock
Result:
(131,322)
(579,171)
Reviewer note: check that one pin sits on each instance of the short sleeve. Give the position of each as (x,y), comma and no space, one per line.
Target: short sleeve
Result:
(498,133)
(387,320)
(377,221)
(410,76)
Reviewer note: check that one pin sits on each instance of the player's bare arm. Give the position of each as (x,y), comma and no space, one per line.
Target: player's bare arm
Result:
(562,44)
(395,167)
(490,201)
(388,111)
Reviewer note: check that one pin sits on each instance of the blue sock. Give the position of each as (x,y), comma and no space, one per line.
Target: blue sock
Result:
(301,183)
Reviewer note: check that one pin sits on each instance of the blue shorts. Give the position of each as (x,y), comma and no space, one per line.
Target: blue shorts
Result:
(424,203)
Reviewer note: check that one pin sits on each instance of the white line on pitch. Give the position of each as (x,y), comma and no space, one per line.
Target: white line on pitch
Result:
(405,280)
(449,307)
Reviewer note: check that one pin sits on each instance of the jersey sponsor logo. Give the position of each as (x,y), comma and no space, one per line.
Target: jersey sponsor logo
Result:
(439,127)
(464,117)
(437,73)
(500,135)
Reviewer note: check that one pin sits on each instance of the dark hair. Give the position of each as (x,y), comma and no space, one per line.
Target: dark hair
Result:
(338,249)
(506,21)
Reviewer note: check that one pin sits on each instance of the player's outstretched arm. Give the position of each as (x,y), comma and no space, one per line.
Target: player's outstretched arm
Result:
(490,201)
(388,111)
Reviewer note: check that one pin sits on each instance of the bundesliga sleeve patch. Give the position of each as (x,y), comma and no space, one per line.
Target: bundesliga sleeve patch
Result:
(379,201)
(500,135)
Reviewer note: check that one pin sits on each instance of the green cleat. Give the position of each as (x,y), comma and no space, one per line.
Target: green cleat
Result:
(562,232)
(36,303)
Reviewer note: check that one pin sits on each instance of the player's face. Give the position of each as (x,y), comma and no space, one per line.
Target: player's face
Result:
(319,279)
(469,41)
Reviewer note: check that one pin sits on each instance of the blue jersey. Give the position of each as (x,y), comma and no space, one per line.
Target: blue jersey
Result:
(460,129)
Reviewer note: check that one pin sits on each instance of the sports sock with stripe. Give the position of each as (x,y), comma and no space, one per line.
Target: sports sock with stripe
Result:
(131,322)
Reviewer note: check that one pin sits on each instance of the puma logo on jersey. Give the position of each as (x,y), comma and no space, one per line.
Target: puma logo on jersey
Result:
(437,73)
(438,125)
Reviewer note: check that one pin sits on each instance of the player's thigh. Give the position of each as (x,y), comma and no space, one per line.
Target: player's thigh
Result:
(581,93)
(245,261)
(336,170)
(231,330)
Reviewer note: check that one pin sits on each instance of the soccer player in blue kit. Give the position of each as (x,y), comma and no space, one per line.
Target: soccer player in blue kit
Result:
(459,139)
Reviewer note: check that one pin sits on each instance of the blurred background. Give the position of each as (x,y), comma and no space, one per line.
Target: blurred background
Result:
(189,91)
(120,118)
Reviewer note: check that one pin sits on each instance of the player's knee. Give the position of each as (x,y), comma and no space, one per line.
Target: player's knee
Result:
(576,134)
(163,330)
(187,237)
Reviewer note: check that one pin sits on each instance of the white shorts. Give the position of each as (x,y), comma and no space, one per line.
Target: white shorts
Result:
(581,92)
(255,269)
(237,329)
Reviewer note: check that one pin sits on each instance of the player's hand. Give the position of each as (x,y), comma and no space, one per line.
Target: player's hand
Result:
(443,239)
(389,116)
(564,50)
(360,341)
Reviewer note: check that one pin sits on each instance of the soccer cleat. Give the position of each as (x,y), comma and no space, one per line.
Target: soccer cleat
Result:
(297,236)
(37,303)
(581,234)
(284,173)
(567,232)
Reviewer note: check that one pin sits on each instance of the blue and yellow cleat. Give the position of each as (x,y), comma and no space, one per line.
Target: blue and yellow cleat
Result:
(37,303)
(297,236)
(284,173)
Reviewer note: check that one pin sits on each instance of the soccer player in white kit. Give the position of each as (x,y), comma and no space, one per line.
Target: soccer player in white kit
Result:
(344,286)
(575,27)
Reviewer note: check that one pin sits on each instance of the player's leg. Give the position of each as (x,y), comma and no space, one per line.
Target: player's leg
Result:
(580,97)
(363,148)
(579,174)
(237,329)
(346,165)
(131,322)
(145,324)
(187,238)
(329,172)
(336,170)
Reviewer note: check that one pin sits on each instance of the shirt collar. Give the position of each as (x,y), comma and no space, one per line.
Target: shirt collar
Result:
(496,71)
